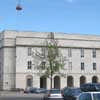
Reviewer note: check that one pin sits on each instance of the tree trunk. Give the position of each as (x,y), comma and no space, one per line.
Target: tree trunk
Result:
(51,81)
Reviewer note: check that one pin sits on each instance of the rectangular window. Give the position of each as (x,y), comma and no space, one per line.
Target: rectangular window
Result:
(82,52)
(94,53)
(29,65)
(43,65)
(70,65)
(94,66)
(69,52)
(29,82)
(29,51)
(82,66)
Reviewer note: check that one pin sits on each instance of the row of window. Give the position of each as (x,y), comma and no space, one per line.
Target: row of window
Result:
(69,65)
(70,52)
(93,52)
(83,66)
(82,52)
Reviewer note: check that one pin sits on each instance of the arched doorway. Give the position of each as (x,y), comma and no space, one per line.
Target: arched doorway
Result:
(82,80)
(70,81)
(29,81)
(43,82)
(57,82)
(94,79)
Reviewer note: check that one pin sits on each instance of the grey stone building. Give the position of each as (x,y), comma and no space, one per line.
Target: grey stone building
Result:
(17,63)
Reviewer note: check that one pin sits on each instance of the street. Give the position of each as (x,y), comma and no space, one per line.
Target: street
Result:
(22,97)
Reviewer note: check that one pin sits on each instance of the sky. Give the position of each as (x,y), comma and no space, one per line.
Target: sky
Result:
(67,16)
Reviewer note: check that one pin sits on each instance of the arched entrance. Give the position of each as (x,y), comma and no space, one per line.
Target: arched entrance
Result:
(94,79)
(70,81)
(43,82)
(29,81)
(82,80)
(57,82)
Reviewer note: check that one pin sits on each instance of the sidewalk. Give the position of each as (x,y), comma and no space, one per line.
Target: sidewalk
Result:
(19,94)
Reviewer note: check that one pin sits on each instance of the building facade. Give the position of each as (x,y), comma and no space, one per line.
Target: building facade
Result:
(18,65)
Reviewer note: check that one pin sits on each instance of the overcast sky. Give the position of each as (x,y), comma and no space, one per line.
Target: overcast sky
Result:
(68,16)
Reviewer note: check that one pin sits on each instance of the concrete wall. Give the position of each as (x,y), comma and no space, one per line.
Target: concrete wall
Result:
(9,68)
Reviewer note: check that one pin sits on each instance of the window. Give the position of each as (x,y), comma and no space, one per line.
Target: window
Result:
(29,65)
(43,65)
(82,52)
(29,82)
(94,66)
(69,52)
(96,96)
(70,65)
(85,96)
(29,51)
(82,66)
(94,53)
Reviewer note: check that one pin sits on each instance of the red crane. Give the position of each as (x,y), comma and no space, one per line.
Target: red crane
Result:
(19,7)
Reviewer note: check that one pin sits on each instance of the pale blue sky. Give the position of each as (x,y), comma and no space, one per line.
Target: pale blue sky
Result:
(68,16)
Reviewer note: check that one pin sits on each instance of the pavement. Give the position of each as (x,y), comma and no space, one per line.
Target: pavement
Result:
(19,94)
(21,97)
(9,95)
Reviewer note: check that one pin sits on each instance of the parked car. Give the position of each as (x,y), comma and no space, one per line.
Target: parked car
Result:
(89,96)
(35,90)
(53,94)
(90,87)
(63,90)
(72,93)
(40,90)
(27,90)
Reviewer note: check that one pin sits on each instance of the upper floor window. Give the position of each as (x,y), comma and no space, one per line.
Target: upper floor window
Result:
(29,65)
(82,52)
(70,65)
(69,52)
(43,65)
(94,53)
(82,66)
(29,51)
(94,66)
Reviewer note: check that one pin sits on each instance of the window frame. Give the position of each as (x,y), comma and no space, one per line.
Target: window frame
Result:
(94,65)
(82,66)
(82,52)
(70,65)
(69,52)
(29,66)
(29,51)
(94,53)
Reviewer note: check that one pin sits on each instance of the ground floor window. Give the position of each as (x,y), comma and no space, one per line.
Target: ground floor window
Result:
(43,82)
(82,80)
(70,81)
(29,81)
(57,82)
(94,79)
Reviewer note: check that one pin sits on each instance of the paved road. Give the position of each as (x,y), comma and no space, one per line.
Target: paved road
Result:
(22,97)
(19,98)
